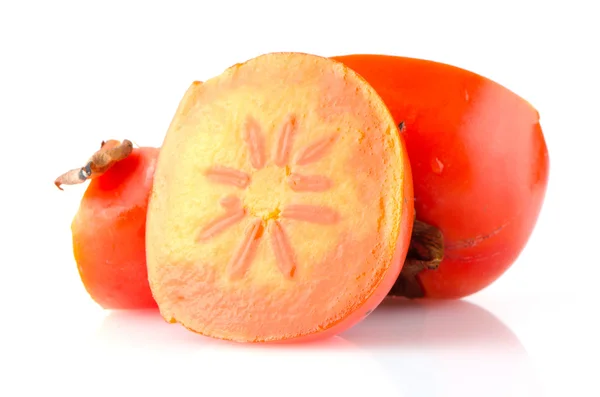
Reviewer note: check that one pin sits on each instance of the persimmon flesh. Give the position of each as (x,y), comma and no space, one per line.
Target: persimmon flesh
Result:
(281,207)
(480,167)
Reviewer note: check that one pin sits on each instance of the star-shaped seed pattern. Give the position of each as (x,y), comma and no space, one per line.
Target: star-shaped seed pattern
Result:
(235,211)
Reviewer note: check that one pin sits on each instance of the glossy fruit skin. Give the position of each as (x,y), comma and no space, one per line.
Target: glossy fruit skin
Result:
(479,160)
(108,233)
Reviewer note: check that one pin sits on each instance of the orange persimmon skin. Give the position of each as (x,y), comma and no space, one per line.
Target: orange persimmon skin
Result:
(109,232)
(479,162)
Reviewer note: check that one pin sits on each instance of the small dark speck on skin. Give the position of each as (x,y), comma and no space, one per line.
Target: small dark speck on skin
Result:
(401,126)
(369,312)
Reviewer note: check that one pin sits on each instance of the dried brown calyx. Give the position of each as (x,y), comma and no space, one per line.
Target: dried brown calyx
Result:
(110,152)
(425,252)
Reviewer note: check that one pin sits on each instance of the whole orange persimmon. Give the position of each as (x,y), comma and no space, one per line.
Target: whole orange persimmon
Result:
(109,232)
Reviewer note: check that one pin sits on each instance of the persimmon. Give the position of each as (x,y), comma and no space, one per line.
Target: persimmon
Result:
(480,167)
(108,230)
(281,208)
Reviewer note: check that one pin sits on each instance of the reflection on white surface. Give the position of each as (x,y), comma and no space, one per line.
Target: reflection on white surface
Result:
(402,349)
(434,325)
(452,348)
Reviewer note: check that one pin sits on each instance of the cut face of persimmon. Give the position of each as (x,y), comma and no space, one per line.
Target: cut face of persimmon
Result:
(282,203)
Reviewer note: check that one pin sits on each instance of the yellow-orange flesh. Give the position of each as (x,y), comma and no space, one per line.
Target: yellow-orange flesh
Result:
(280,204)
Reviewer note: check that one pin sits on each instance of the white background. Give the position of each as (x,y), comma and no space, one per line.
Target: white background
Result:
(73,74)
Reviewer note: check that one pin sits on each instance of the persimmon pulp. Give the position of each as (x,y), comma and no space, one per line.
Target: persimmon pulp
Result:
(281,208)
(108,233)
(480,165)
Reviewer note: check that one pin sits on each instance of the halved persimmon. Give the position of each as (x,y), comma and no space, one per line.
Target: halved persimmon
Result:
(282,203)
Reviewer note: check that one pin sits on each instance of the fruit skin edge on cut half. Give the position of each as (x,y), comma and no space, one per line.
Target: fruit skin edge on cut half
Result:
(282,203)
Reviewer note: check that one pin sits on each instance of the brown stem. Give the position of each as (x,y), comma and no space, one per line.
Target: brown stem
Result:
(110,152)
(425,252)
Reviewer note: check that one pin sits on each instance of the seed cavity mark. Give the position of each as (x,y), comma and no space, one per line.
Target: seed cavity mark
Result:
(221,224)
(315,151)
(255,141)
(228,176)
(284,254)
(230,202)
(311,213)
(243,256)
(309,183)
(284,143)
